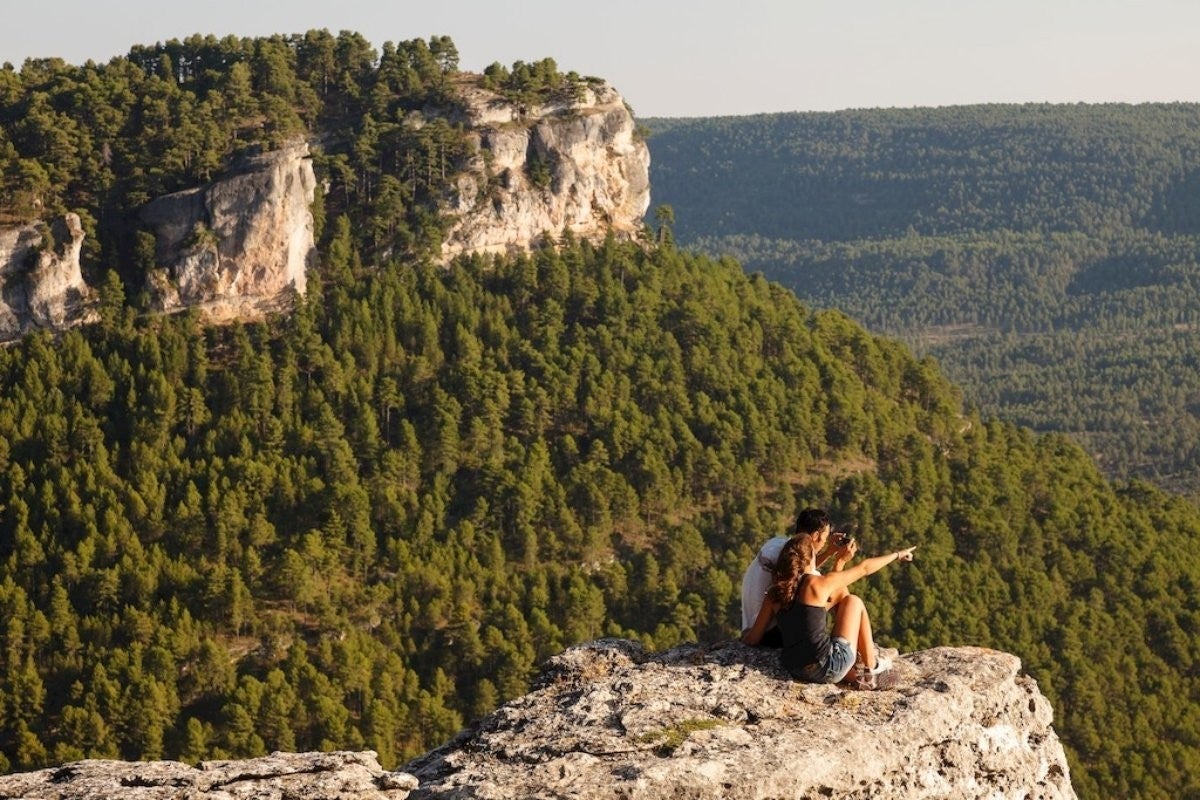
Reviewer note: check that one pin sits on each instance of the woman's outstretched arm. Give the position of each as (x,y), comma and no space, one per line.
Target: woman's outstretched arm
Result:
(833,581)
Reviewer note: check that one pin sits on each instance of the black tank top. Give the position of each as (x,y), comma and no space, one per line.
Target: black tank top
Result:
(805,633)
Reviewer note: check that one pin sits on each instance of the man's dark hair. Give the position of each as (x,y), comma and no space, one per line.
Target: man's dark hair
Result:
(810,520)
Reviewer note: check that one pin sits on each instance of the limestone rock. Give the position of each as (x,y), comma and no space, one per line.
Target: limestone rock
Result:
(42,287)
(567,166)
(239,246)
(609,720)
(280,776)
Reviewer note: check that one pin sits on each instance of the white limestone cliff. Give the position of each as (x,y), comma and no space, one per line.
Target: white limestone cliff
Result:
(40,286)
(574,166)
(239,246)
(242,245)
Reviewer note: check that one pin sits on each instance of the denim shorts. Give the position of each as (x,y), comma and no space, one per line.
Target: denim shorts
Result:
(833,668)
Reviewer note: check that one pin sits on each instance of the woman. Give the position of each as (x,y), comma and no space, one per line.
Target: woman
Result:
(799,601)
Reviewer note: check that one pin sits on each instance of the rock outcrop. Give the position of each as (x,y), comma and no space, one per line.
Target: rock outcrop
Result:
(610,721)
(573,166)
(41,283)
(239,246)
(280,776)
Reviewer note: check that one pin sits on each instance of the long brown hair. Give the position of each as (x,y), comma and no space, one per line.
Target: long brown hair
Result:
(790,567)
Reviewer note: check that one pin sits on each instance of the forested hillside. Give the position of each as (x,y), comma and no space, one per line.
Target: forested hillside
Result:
(365,522)
(1047,256)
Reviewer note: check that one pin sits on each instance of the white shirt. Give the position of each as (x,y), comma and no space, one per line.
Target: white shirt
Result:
(757,580)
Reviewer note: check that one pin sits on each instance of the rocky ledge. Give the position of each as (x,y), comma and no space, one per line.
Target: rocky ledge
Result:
(280,776)
(609,720)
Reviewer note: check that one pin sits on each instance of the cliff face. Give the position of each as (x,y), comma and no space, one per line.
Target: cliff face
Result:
(608,720)
(240,245)
(570,166)
(41,286)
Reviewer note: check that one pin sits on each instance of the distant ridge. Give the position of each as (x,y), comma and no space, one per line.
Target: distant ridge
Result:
(1045,254)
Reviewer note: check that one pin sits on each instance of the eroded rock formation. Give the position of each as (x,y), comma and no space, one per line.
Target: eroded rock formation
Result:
(574,166)
(41,284)
(611,721)
(242,244)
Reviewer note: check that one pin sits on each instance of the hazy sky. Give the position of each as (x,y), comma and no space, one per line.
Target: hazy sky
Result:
(714,57)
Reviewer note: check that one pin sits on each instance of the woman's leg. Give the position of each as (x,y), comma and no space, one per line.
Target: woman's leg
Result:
(852,624)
